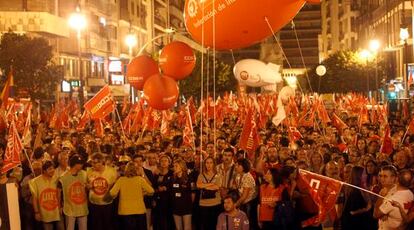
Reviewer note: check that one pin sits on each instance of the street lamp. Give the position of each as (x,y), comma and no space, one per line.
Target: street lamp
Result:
(131,41)
(404,35)
(374,46)
(77,21)
(364,55)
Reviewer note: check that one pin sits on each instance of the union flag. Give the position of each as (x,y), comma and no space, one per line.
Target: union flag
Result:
(101,104)
(13,150)
(249,138)
(324,192)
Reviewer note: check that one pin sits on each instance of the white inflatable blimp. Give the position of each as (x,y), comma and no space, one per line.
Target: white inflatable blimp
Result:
(255,73)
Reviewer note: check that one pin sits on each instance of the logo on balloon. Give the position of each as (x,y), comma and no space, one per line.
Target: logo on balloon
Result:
(192,8)
(244,75)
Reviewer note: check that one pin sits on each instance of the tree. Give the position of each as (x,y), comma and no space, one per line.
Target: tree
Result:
(225,80)
(31,57)
(346,72)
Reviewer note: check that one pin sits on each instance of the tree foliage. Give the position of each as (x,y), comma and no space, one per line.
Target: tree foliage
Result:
(225,80)
(346,72)
(31,58)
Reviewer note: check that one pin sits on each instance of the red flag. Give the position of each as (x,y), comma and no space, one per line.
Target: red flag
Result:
(27,133)
(363,116)
(307,120)
(410,128)
(338,123)
(405,110)
(124,106)
(83,121)
(101,104)
(137,117)
(99,129)
(192,108)
(321,110)
(294,134)
(165,122)
(386,146)
(188,133)
(13,150)
(249,139)
(324,192)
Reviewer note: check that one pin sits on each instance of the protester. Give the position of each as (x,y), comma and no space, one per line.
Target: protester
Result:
(210,201)
(73,185)
(46,199)
(100,178)
(131,189)
(388,215)
(232,218)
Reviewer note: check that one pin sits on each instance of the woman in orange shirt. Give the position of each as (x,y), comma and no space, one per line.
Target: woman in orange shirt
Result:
(269,195)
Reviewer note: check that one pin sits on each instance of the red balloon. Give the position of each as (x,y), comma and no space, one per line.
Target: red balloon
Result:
(161,92)
(237,23)
(140,69)
(177,60)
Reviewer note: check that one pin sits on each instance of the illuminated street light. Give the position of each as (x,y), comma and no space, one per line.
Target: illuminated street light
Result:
(404,34)
(374,45)
(364,55)
(131,41)
(77,21)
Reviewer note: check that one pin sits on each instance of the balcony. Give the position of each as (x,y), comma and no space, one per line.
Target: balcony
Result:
(40,22)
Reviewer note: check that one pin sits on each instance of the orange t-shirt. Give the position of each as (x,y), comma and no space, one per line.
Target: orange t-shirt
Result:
(269,195)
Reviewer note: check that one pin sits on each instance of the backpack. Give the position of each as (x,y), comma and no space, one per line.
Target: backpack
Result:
(284,215)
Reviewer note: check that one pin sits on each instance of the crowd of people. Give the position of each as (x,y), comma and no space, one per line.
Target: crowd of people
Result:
(150,181)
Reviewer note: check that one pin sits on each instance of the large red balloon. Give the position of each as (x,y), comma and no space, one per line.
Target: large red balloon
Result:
(177,60)
(140,69)
(161,92)
(237,23)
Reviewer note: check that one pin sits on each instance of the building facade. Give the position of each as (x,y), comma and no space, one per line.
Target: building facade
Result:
(339,30)
(103,50)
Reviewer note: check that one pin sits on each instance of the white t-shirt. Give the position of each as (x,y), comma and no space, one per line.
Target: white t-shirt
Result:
(394,220)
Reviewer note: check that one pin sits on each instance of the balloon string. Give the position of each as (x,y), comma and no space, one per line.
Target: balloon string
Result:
(278,42)
(208,94)
(214,78)
(232,56)
(281,49)
(201,94)
(301,55)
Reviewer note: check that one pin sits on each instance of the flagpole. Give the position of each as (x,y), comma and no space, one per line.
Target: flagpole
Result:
(347,184)
(191,126)
(28,159)
(120,121)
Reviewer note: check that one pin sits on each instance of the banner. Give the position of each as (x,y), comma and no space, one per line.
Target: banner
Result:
(101,104)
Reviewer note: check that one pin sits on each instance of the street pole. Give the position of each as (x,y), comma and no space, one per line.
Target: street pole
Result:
(377,94)
(366,66)
(406,91)
(80,93)
(131,90)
